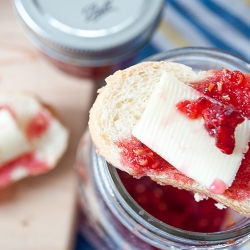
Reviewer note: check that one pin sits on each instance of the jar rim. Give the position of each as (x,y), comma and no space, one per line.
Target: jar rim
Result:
(181,53)
(134,214)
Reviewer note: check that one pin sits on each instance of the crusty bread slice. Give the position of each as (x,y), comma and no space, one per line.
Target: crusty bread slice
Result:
(119,107)
(47,137)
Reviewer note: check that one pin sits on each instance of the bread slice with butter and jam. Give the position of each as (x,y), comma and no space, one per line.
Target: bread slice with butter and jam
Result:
(32,139)
(181,128)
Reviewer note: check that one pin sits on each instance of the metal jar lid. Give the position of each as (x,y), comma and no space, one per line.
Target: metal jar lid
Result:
(92,31)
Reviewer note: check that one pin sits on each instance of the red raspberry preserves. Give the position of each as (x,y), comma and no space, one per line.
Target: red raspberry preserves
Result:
(219,120)
(228,87)
(193,109)
(142,161)
(173,206)
(38,125)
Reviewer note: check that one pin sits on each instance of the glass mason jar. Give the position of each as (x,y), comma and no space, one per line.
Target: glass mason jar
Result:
(111,219)
(91,38)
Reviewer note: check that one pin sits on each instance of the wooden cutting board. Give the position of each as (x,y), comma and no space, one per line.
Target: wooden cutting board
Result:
(40,212)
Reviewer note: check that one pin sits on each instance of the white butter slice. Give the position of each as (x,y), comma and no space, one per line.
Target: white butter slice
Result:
(13,142)
(184,142)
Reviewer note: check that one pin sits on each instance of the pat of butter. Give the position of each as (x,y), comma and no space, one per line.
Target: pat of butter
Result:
(184,142)
(13,142)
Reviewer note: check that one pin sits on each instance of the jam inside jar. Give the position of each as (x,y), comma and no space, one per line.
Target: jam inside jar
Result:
(121,212)
(177,207)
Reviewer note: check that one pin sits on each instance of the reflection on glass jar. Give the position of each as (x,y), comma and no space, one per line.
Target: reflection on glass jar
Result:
(120,212)
(90,38)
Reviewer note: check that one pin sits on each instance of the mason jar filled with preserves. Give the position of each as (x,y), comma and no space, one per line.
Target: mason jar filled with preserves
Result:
(89,38)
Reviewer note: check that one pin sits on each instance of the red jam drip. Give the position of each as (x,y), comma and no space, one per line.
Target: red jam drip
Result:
(220,121)
(38,125)
(173,206)
(28,161)
(218,187)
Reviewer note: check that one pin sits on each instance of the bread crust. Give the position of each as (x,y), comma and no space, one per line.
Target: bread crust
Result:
(119,107)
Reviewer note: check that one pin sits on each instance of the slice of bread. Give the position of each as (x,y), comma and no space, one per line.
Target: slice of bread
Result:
(46,138)
(119,107)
